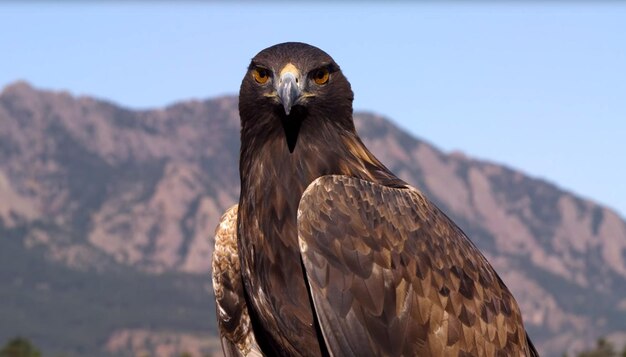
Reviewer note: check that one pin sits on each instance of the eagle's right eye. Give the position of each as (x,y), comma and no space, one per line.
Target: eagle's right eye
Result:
(261,75)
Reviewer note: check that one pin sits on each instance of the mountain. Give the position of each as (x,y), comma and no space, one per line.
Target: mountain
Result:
(107,216)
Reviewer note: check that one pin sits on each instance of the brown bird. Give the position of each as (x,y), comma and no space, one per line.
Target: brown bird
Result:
(329,253)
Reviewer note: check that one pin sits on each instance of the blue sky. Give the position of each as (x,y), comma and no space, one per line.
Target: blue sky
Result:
(538,87)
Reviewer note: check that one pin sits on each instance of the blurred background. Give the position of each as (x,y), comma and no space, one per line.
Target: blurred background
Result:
(119,149)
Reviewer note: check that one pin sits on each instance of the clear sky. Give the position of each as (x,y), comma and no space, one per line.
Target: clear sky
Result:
(538,87)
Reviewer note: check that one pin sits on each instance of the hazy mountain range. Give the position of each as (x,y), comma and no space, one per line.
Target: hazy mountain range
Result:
(107,216)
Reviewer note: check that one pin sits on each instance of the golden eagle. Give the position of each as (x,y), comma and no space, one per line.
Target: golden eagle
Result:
(328,253)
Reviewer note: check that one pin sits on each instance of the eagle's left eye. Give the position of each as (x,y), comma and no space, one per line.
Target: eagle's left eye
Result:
(321,76)
(261,75)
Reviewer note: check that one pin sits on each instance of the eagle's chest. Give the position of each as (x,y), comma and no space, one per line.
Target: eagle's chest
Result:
(268,226)
(270,256)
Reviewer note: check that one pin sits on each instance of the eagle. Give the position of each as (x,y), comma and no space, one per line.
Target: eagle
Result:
(328,253)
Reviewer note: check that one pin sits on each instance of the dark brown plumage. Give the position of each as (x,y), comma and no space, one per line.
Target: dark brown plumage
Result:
(336,255)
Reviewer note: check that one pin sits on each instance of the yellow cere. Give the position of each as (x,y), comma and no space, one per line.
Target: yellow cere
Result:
(289,67)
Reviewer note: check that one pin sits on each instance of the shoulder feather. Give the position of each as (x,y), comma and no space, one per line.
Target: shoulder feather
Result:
(391,275)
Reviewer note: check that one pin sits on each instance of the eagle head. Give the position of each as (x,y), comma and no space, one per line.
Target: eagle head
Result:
(291,83)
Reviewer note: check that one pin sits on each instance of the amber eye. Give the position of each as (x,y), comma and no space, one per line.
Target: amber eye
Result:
(320,76)
(261,75)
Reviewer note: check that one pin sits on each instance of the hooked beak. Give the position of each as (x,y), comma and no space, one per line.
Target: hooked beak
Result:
(288,90)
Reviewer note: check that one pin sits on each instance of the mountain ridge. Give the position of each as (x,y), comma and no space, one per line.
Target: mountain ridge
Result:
(101,189)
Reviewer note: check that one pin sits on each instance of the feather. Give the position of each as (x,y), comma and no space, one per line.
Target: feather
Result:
(443,297)
(231,309)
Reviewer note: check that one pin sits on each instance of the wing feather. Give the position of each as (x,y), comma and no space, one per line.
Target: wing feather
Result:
(233,319)
(391,275)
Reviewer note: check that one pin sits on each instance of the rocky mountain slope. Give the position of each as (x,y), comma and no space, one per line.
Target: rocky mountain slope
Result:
(106,216)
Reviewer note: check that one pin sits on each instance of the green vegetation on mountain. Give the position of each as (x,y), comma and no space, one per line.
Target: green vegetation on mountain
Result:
(59,307)
(19,347)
